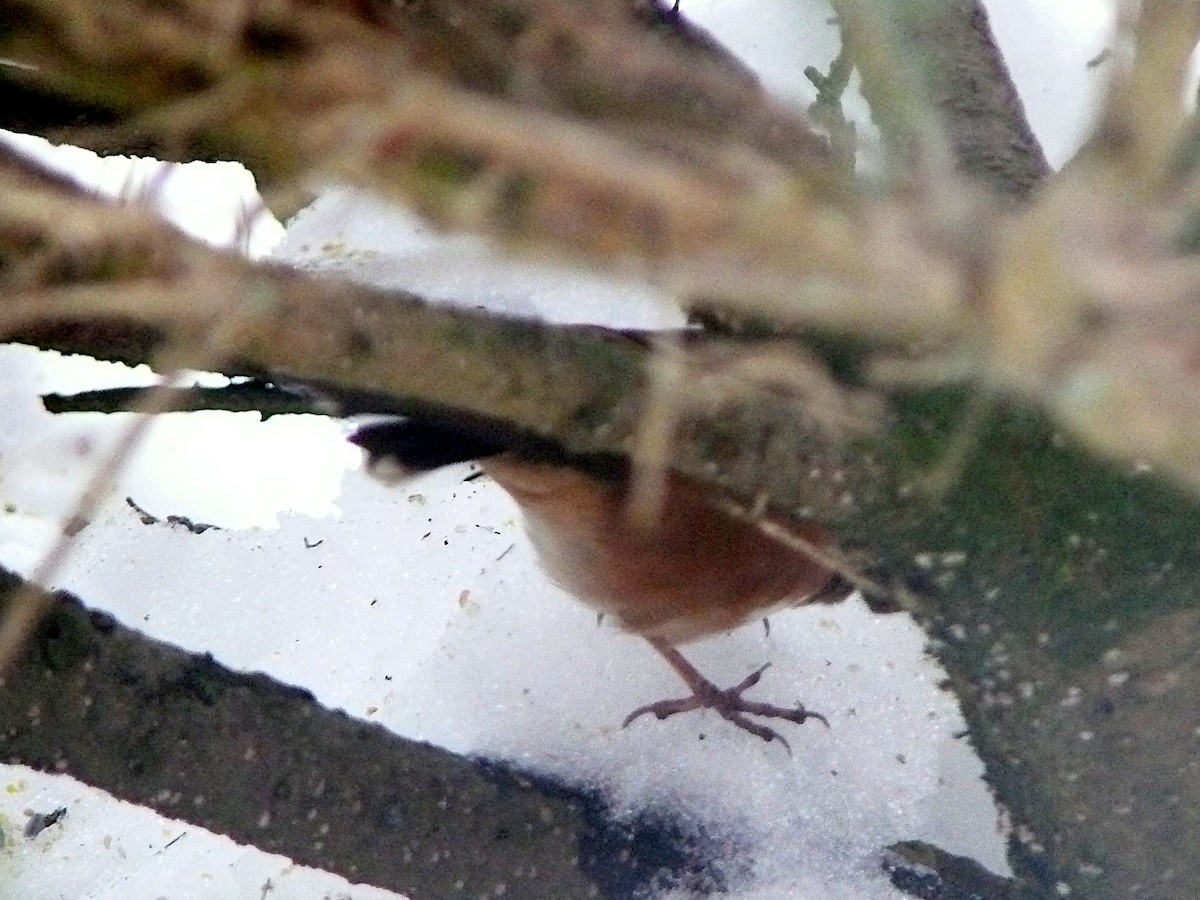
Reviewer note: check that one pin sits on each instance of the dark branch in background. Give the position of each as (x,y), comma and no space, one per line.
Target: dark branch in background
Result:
(263,763)
(968,83)
(260,397)
(991,136)
(932,71)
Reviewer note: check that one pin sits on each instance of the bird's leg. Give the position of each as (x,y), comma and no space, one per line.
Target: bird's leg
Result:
(728,703)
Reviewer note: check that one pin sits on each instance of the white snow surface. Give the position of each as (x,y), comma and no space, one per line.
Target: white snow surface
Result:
(422,607)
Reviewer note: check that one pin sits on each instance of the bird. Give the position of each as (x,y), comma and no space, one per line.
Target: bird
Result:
(695,570)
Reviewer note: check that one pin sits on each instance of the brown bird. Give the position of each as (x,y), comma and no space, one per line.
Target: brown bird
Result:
(697,570)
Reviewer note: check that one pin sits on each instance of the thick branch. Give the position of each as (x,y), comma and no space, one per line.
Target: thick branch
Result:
(250,86)
(265,764)
(963,78)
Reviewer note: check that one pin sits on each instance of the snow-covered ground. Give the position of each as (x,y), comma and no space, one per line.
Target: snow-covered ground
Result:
(422,607)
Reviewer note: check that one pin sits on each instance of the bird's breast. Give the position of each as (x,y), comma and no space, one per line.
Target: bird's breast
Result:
(697,570)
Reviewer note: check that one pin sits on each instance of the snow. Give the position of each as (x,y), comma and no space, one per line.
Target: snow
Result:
(1048,47)
(349,234)
(216,202)
(422,607)
(105,849)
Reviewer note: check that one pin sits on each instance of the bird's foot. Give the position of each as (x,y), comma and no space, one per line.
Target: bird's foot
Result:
(731,706)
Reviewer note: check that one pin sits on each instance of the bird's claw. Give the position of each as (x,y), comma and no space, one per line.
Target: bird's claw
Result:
(733,707)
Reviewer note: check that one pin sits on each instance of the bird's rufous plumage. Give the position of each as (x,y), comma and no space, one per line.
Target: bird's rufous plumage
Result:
(695,570)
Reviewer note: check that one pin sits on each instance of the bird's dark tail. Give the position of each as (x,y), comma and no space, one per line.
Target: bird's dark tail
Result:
(404,447)
(407,447)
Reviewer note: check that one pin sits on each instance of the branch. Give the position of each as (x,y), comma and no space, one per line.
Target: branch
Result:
(267,84)
(120,287)
(934,76)
(265,764)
